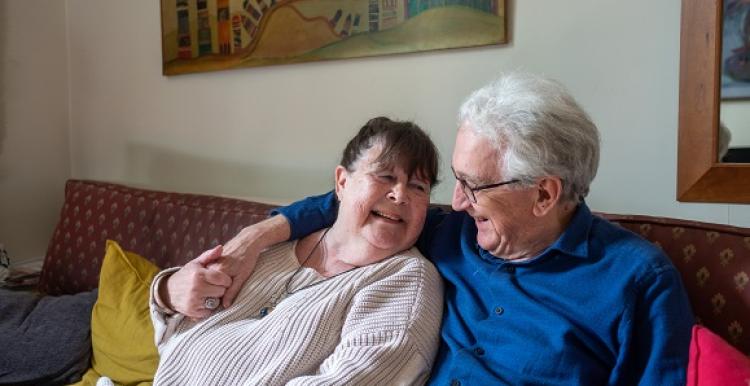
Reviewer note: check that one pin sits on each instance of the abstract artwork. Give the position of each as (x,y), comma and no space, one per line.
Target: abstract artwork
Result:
(210,35)
(735,52)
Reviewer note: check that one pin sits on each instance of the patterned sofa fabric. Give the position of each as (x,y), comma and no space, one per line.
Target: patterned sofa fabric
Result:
(167,228)
(171,228)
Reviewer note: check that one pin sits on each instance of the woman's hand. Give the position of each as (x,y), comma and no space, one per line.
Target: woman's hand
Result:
(186,290)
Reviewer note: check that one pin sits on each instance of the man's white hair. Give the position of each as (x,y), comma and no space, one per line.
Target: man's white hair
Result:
(539,128)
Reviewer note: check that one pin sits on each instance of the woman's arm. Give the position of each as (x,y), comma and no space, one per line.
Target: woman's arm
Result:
(163,317)
(177,293)
(375,359)
(391,331)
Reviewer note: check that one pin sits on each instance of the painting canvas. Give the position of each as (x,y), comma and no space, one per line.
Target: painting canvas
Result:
(208,35)
(735,52)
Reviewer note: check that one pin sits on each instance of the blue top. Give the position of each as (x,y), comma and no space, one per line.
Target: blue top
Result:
(599,306)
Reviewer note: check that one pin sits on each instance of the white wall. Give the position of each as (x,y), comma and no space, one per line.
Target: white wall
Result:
(277,131)
(34,149)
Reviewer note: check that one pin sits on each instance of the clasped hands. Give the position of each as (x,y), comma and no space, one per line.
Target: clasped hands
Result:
(218,273)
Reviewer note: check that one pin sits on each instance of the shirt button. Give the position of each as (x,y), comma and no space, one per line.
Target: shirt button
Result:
(510,269)
(479,351)
(455,382)
(499,310)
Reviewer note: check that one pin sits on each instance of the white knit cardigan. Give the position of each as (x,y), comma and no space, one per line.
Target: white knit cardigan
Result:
(375,325)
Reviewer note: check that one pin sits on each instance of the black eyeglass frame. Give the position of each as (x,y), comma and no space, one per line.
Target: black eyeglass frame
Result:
(470,192)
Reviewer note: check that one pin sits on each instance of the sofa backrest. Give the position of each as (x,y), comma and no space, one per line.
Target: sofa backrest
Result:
(166,228)
(171,228)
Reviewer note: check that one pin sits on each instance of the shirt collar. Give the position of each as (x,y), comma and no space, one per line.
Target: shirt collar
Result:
(573,241)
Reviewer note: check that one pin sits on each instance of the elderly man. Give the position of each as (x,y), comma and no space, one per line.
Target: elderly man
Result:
(537,289)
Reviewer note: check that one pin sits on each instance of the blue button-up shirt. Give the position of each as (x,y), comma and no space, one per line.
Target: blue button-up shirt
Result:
(600,306)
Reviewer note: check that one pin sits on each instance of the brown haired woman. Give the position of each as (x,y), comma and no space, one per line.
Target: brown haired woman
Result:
(352,304)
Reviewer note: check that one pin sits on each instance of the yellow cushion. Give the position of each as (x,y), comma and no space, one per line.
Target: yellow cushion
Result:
(122,335)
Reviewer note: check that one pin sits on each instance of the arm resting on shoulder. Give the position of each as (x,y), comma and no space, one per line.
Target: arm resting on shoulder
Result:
(240,254)
(317,212)
(310,215)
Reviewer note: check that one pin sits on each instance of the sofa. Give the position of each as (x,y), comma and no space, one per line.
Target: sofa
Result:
(168,228)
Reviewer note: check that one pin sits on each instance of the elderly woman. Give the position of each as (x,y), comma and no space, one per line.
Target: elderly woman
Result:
(351,304)
(538,289)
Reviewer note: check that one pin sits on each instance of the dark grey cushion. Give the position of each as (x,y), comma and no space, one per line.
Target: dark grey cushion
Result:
(44,340)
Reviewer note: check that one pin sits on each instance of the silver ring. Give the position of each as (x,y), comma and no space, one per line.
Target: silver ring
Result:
(211,303)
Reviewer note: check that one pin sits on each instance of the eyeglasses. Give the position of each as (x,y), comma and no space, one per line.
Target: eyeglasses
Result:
(469,192)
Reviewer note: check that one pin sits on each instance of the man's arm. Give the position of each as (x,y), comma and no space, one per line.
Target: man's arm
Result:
(177,294)
(240,254)
(656,346)
(296,221)
(309,215)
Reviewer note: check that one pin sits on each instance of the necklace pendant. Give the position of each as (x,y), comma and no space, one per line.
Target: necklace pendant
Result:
(265,311)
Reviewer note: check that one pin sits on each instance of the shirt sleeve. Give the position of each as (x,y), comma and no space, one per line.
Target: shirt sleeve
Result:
(318,212)
(435,217)
(657,343)
(310,214)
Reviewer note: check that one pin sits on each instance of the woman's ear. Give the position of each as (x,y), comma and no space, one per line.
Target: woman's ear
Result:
(549,192)
(340,175)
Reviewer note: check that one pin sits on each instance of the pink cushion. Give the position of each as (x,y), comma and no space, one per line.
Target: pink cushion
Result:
(714,362)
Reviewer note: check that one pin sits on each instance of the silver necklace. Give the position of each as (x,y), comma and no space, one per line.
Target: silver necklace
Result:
(278,298)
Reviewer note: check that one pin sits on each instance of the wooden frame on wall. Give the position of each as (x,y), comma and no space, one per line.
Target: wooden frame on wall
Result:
(700,177)
(212,35)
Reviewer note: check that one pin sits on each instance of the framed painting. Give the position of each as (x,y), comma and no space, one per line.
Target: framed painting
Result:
(210,35)
(735,50)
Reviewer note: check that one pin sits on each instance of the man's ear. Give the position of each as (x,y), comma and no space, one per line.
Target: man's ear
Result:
(549,193)
(340,175)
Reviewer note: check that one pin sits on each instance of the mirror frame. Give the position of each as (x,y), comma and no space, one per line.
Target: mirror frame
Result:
(700,177)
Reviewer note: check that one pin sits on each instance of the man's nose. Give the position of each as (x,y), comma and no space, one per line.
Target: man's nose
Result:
(459,201)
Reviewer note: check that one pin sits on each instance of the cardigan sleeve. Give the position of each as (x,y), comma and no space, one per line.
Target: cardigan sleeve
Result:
(374,360)
(165,321)
(390,335)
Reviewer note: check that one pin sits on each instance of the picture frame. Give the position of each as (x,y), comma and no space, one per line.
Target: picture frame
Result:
(212,35)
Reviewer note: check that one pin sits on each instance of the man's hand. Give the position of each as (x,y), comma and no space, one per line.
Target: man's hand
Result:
(241,252)
(237,262)
(186,290)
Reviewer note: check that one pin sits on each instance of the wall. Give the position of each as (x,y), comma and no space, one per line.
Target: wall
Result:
(34,149)
(277,131)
